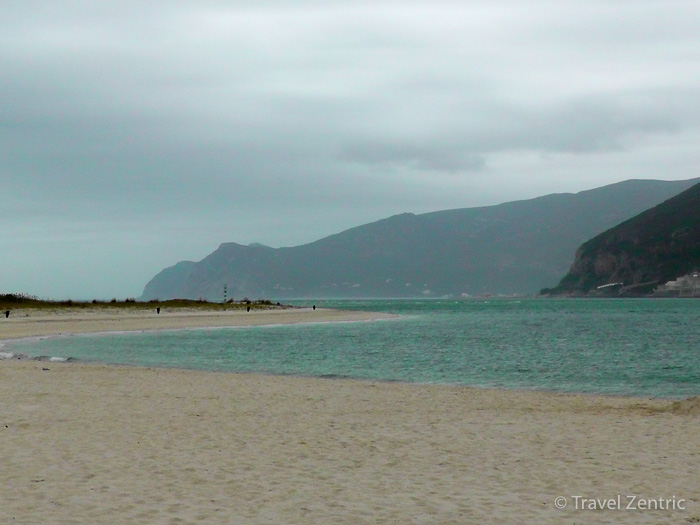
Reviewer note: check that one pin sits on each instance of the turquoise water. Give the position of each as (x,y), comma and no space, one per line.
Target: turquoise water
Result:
(633,347)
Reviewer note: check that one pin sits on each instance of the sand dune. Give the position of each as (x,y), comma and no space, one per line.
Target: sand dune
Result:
(98,444)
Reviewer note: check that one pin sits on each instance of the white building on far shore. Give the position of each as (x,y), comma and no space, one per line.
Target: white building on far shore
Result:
(685,286)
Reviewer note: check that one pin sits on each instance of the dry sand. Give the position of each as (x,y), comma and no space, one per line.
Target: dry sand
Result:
(97,444)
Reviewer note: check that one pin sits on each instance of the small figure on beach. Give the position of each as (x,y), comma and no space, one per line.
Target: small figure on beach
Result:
(314,307)
(158,310)
(247,309)
(7,314)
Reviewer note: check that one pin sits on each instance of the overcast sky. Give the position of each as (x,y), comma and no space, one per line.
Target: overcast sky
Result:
(135,134)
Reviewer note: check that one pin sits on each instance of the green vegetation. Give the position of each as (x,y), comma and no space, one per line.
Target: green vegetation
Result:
(15,301)
(633,258)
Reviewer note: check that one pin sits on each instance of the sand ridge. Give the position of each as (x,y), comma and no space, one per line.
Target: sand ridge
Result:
(31,323)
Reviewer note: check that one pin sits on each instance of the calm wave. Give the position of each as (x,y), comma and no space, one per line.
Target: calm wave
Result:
(630,347)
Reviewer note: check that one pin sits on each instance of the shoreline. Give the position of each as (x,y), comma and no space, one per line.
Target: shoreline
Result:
(40,324)
(60,322)
(96,443)
(35,325)
(691,402)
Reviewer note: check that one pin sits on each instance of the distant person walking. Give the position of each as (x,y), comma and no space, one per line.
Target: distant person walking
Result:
(7,314)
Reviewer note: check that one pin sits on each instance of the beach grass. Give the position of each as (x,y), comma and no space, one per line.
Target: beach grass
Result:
(15,301)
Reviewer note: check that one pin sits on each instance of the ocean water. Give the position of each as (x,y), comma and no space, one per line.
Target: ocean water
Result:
(638,347)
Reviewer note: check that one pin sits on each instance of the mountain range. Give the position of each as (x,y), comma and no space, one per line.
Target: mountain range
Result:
(633,258)
(512,248)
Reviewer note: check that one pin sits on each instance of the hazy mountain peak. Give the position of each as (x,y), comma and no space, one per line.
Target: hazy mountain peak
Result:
(511,248)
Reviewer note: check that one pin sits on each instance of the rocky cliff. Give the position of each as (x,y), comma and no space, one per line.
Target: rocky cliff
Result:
(636,256)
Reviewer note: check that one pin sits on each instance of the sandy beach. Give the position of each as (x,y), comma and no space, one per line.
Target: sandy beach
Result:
(64,321)
(97,444)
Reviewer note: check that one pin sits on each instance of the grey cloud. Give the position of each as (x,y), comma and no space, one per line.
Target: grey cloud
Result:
(591,123)
(594,123)
(202,122)
(414,156)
